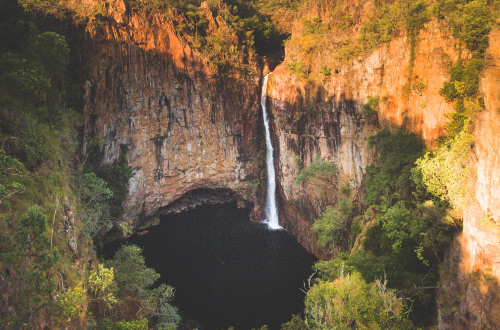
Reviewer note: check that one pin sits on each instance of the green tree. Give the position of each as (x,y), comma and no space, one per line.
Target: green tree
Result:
(12,173)
(52,52)
(169,318)
(323,171)
(133,279)
(477,19)
(333,226)
(389,179)
(21,79)
(96,197)
(132,276)
(27,261)
(351,303)
(445,172)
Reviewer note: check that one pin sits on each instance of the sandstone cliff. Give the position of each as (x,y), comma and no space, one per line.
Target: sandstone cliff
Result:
(185,127)
(475,257)
(325,119)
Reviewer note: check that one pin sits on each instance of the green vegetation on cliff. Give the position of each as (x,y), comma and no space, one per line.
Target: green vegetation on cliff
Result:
(334,35)
(401,234)
(414,199)
(52,207)
(228,33)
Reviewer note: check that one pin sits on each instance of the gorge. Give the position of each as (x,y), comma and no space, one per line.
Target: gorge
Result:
(168,113)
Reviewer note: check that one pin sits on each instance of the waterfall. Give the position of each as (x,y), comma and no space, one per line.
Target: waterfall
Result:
(271,207)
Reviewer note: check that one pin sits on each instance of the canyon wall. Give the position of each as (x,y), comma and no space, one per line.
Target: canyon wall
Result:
(474,286)
(324,119)
(184,127)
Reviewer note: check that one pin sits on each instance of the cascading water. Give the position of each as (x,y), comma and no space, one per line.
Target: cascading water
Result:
(271,207)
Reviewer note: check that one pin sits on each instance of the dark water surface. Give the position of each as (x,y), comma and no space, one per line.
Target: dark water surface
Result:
(227,271)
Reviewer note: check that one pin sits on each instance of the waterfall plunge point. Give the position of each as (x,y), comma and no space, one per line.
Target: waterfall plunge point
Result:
(271,207)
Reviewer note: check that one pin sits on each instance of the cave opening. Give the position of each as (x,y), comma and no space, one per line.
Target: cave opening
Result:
(226,270)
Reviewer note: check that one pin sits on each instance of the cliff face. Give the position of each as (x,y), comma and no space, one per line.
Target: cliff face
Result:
(325,119)
(184,127)
(475,258)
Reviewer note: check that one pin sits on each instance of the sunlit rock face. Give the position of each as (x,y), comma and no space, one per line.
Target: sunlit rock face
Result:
(325,118)
(185,128)
(477,260)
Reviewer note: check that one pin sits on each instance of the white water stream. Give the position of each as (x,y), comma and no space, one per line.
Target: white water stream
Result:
(271,207)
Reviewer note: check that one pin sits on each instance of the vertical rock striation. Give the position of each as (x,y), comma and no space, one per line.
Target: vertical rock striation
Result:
(185,127)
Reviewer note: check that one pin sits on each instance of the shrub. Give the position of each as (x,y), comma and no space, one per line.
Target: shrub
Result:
(100,285)
(349,301)
(370,109)
(333,226)
(70,303)
(445,172)
(298,68)
(324,171)
(312,26)
(12,173)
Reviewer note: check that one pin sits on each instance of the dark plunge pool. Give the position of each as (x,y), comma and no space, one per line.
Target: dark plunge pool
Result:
(227,271)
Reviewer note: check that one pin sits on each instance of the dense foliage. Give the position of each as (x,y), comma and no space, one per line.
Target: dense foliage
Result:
(37,143)
(52,207)
(349,302)
(471,22)
(402,233)
(390,180)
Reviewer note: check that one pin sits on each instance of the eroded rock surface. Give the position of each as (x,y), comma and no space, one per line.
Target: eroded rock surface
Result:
(476,259)
(325,119)
(185,128)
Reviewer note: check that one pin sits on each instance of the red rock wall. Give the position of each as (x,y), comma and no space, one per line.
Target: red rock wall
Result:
(325,118)
(477,261)
(185,127)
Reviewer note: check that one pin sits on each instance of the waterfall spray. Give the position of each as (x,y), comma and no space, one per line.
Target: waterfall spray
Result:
(271,207)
